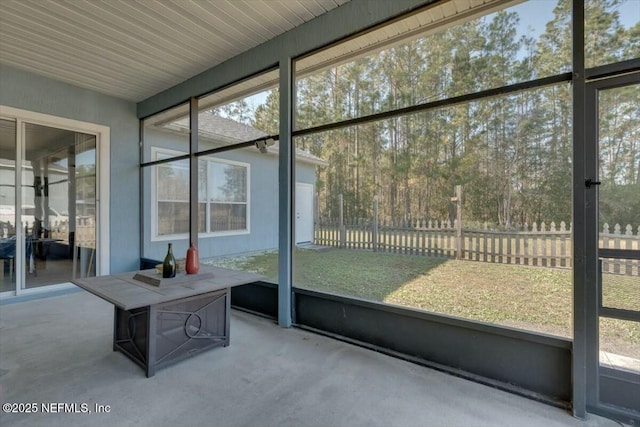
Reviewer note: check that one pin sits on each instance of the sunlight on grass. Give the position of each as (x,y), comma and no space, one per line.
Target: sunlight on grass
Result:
(531,298)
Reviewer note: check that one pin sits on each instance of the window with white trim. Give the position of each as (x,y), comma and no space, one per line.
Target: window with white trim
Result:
(223,196)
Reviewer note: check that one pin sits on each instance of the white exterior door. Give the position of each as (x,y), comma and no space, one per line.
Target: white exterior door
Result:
(304,213)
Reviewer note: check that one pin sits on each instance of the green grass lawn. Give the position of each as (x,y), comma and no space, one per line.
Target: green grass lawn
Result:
(533,298)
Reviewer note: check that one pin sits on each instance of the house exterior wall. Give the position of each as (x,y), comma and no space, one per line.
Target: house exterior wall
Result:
(28,91)
(263,202)
(305,173)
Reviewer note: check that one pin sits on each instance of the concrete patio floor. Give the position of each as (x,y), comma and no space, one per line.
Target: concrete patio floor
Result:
(58,349)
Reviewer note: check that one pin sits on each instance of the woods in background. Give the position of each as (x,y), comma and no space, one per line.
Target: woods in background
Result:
(512,154)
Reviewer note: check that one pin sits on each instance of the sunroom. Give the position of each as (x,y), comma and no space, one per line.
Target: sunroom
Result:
(453,183)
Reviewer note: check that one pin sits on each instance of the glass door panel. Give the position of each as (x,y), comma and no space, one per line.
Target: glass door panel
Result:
(7,205)
(58,205)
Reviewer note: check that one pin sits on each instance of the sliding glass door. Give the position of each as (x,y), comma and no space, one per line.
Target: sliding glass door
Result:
(48,197)
(7,205)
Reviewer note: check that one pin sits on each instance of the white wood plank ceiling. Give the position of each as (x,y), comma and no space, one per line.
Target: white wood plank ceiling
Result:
(133,49)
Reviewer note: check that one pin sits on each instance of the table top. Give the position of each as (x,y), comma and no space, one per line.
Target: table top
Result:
(125,292)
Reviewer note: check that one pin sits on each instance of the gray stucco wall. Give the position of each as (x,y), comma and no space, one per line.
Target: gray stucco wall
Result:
(28,91)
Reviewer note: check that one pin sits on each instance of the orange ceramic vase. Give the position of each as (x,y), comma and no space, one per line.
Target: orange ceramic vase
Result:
(192,263)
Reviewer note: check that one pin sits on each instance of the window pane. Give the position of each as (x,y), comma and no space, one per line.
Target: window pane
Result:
(171,195)
(619,161)
(202,217)
(173,181)
(243,112)
(173,218)
(420,59)
(612,31)
(621,284)
(228,183)
(384,207)
(228,217)
(620,344)
(172,185)
(202,180)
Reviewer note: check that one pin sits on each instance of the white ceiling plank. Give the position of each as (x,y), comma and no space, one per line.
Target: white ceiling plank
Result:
(81,78)
(86,73)
(250,13)
(164,23)
(86,38)
(61,43)
(124,71)
(135,49)
(273,16)
(293,11)
(315,7)
(140,34)
(219,19)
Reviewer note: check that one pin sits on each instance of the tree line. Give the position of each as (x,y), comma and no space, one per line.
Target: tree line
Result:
(512,154)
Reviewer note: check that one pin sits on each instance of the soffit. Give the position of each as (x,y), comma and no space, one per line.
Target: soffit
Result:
(433,18)
(135,49)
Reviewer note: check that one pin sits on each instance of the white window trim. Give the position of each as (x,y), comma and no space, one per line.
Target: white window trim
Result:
(185,236)
(103,140)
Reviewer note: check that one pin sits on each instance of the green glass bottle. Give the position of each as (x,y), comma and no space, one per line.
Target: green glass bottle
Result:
(169,265)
